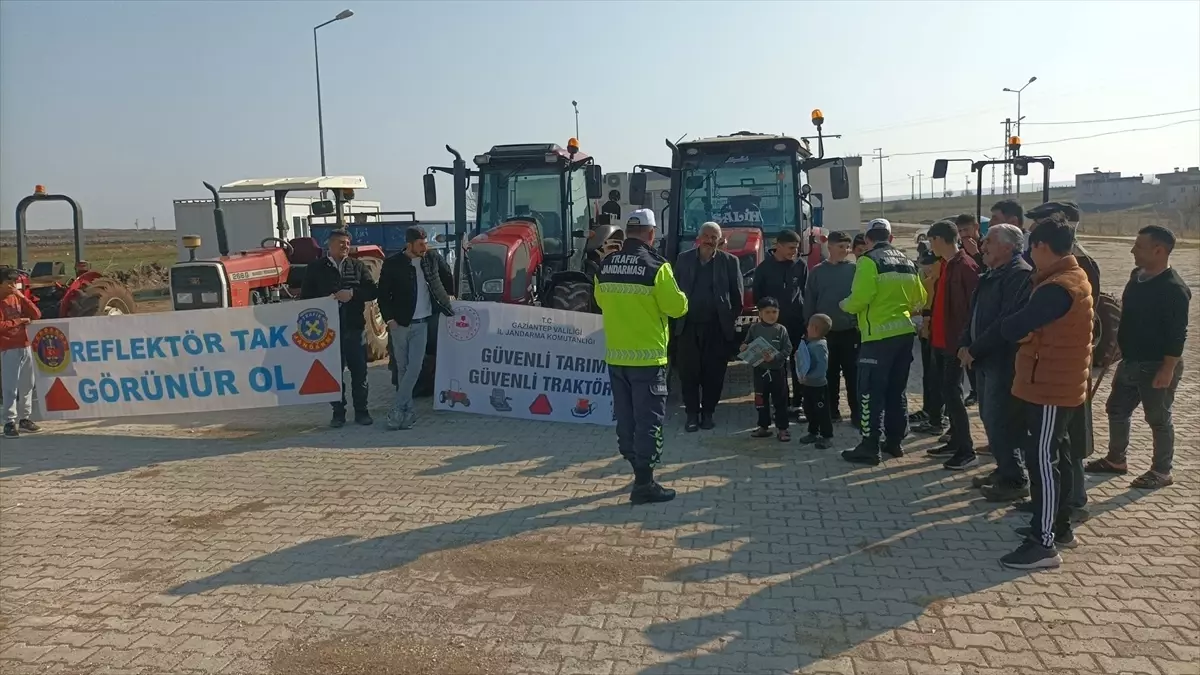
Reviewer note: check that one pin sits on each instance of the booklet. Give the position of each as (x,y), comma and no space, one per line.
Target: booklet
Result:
(757,351)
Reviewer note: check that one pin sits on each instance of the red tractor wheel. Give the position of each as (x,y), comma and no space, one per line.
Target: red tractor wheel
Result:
(102,297)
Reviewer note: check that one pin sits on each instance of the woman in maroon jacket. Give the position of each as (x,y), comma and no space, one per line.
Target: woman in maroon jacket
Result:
(951,310)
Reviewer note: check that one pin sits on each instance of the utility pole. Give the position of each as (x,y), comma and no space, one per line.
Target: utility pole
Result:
(920,186)
(879,157)
(968,181)
(932,188)
(1019,117)
(154,224)
(1007,153)
(912,187)
(135,224)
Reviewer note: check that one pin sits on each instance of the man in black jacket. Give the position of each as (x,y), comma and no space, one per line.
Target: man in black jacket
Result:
(348,280)
(782,276)
(412,292)
(1002,290)
(712,282)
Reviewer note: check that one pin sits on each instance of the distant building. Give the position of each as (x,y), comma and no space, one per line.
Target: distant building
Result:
(1106,190)
(1180,189)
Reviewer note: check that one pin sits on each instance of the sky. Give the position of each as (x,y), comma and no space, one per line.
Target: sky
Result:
(128,105)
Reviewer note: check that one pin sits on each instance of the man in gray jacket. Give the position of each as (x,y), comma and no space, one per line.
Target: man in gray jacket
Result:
(712,282)
(828,285)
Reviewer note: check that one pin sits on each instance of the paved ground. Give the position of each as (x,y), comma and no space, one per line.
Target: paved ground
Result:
(472,545)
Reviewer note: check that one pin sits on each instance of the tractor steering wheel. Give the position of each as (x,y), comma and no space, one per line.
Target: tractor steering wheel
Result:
(276,242)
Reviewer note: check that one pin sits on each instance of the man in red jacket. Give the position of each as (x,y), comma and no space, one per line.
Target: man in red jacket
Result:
(951,310)
(16,361)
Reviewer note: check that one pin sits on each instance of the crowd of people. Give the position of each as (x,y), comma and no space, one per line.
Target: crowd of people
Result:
(1011,313)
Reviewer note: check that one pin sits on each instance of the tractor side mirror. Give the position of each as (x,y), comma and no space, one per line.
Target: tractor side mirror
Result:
(839,182)
(322,207)
(637,189)
(940,167)
(430,186)
(594,176)
(1021,167)
(578,234)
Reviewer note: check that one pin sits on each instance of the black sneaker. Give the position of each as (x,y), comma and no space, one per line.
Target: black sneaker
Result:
(706,421)
(363,418)
(692,424)
(893,448)
(10,430)
(28,426)
(984,481)
(971,399)
(962,460)
(824,443)
(1031,555)
(926,427)
(650,493)
(1065,540)
(1002,491)
(918,417)
(338,421)
(941,451)
(866,452)
(944,438)
(809,439)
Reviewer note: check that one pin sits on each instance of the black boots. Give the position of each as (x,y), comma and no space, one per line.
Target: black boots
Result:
(646,490)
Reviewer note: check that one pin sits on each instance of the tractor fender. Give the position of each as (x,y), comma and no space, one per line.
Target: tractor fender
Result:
(601,234)
(75,289)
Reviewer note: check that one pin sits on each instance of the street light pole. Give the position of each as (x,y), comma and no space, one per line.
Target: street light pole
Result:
(575,105)
(1019,118)
(912,187)
(344,14)
(879,157)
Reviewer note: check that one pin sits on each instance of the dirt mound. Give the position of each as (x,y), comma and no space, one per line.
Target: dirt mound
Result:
(146,275)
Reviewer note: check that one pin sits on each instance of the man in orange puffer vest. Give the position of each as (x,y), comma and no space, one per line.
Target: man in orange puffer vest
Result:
(1054,332)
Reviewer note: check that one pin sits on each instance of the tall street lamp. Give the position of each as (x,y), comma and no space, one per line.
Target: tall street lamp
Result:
(344,14)
(575,105)
(1019,118)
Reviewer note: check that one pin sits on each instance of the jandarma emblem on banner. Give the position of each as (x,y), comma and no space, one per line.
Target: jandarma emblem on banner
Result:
(313,333)
(52,350)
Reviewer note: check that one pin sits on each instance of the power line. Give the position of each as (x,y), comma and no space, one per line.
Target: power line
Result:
(1116,119)
(1057,140)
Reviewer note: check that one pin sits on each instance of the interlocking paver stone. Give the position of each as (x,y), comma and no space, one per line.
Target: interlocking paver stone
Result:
(256,542)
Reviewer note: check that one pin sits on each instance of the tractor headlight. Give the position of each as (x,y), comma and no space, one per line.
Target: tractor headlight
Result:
(208,297)
(183,298)
(493,286)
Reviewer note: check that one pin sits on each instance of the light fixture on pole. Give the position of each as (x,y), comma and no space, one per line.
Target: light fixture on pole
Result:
(575,105)
(1019,117)
(344,14)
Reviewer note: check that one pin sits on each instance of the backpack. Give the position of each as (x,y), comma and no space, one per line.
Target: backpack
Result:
(1105,350)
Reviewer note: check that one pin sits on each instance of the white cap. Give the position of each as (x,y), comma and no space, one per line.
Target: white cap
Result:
(641,217)
(879,224)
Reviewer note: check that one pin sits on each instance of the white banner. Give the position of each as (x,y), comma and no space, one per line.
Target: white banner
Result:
(526,362)
(192,361)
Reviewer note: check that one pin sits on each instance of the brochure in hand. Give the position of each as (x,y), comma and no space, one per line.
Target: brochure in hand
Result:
(757,351)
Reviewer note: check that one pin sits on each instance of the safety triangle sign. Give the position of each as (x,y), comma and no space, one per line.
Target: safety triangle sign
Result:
(319,381)
(58,398)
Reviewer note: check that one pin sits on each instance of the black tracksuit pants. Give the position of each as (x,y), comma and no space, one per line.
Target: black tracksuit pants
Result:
(701,356)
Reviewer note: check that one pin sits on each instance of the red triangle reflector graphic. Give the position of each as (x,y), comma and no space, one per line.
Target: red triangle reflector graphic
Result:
(58,399)
(541,405)
(319,381)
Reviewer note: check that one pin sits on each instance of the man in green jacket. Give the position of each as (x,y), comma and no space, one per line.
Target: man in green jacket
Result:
(637,294)
(886,292)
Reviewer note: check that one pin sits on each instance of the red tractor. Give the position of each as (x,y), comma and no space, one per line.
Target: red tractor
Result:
(754,186)
(89,293)
(535,239)
(274,272)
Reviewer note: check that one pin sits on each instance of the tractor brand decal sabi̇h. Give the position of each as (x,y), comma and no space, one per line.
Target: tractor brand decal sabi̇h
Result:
(204,360)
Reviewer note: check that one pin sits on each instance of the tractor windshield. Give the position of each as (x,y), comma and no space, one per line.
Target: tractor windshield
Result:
(524,190)
(739,191)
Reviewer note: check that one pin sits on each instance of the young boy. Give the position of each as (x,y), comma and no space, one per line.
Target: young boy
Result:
(770,376)
(16,361)
(816,384)
(859,246)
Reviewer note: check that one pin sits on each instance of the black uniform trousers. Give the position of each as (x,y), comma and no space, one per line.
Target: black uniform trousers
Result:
(701,356)
(843,361)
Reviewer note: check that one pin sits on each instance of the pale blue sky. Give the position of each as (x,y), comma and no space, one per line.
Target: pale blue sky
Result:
(129,105)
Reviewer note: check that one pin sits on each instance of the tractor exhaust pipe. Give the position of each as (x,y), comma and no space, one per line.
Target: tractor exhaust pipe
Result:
(219,220)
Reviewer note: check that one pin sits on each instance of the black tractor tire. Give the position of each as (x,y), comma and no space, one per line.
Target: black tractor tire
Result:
(377,331)
(102,297)
(573,296)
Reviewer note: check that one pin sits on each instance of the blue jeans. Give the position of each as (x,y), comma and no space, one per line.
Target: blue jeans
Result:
(1003,419)
(883,367)
(408,353)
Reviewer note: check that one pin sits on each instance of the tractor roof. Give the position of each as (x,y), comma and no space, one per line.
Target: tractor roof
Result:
(751,139)
(317,183)
(525,151)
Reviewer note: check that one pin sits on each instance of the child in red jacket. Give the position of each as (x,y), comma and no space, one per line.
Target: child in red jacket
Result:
(16,361)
